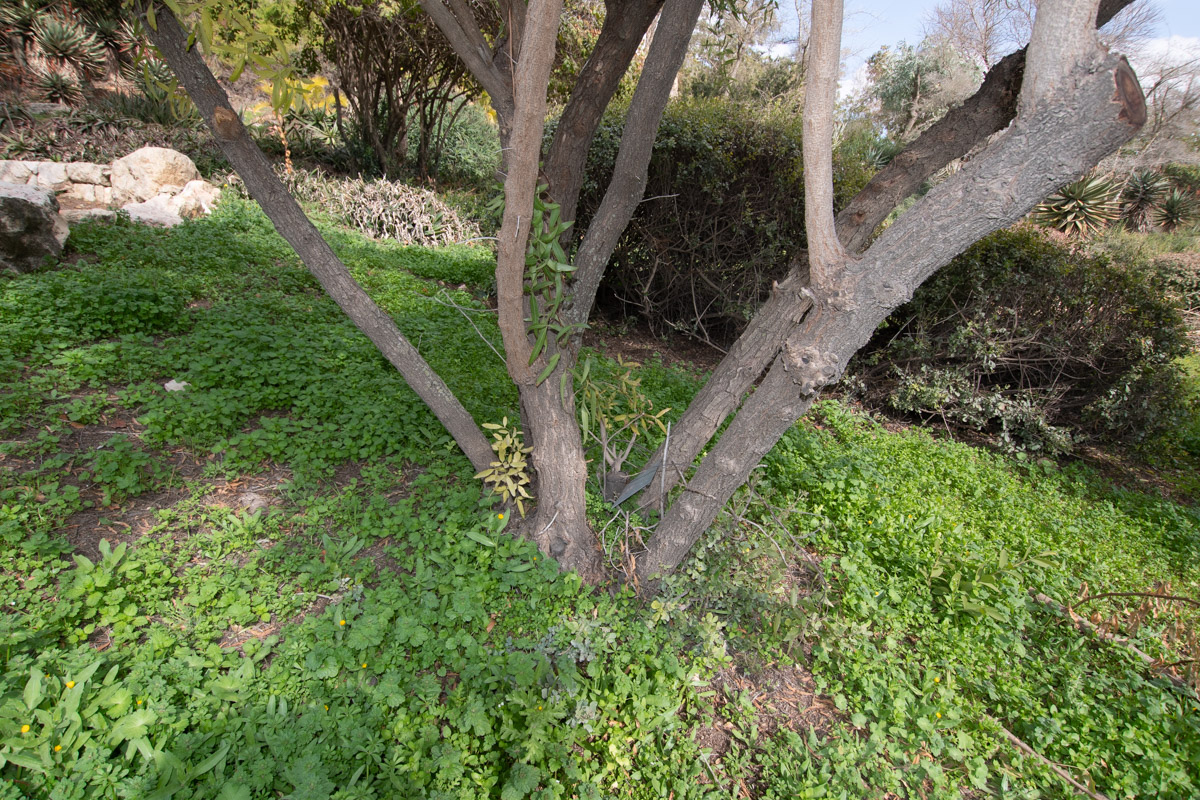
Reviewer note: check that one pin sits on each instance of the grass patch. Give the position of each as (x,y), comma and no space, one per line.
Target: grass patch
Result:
(282,580)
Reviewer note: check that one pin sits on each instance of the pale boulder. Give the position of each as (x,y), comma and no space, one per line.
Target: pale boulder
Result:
(142,174)
(196,200)
(30,227)
(154,211)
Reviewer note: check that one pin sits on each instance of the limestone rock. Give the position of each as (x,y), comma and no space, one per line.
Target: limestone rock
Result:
(30,227)
(84,172)
(196,199)
(154,211)
(73,215)
(175,386)
(15,172)
(142,174)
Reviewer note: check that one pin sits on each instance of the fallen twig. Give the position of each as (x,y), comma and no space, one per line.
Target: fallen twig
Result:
(1087,627)
(1059,771)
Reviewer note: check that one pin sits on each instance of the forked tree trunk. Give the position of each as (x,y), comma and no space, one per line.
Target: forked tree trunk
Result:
(964,127)
(1095,109)
(295,227)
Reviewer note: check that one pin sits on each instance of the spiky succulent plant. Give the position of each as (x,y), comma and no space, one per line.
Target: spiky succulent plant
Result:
(1141,196)
(1081,208)
(1175,209)
(64,43)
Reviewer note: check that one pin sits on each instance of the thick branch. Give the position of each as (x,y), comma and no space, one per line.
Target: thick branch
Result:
(525,146)
(294,226)
(637,144)
(625,25)
(1090,116)
(826,256)
(463,33)
(987,112)
(1063,37)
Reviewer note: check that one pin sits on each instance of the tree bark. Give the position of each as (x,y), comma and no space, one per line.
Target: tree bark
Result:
(984,114)
(628,184)
(291,223)
(625,24)
(1094,110)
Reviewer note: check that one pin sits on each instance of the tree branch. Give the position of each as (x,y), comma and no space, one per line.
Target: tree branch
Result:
(287,217)
(467,40)
(826,256)
(625,24)
(628,183)
(1047,145)
(525,146)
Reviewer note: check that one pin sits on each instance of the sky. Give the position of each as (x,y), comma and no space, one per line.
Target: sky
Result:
(871,24)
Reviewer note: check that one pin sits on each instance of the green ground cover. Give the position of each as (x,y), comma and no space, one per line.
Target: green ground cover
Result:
(374,632)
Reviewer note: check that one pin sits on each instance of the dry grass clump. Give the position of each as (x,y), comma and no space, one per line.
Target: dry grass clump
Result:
(383,209)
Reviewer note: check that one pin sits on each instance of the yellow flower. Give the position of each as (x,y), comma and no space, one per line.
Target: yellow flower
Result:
(539,708)
(24,729)
(499,516)
(937,680)
(57,747)
(341,622)
(364,665)
(939,715)
(70,684)
(139,702)
(326,708)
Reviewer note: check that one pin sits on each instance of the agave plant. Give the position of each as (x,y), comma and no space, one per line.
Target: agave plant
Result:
(58,87)
(65,44)
(1143,193)
(1176,209)
(1081,208)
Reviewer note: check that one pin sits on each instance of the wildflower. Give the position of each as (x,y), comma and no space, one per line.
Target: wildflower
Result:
(24,729)
(57,748)
(326,708)
(70,684)
(500,516)
(939,715)
(364,665)
(139,702)
(539,708)
(937,680)
(341,622)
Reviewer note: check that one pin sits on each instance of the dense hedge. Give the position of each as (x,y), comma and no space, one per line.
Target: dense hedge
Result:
(1032,340)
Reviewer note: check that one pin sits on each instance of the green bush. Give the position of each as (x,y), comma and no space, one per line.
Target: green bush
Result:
(722,222)
(1026,338)
(723,218)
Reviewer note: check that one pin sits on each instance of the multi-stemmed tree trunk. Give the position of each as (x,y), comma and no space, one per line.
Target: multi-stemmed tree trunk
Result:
(1075,105)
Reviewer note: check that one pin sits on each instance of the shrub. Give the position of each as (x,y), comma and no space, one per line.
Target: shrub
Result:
(1023,336)
(383,209)
(722,218)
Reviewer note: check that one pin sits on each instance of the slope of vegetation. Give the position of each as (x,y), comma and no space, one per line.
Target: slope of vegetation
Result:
(283,581)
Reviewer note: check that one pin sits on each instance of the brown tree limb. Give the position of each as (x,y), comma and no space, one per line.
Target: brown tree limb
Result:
(625,24)
(524,149)
(291,223)
(826,256)
(628,183)
(1087,627)
(984,114)
(459,27)
(1176,598)
(1043,149)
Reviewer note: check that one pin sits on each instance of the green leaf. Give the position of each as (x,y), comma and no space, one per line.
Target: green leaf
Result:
(549,368)
(523,779)
(131,726)
(33,689)
(479,537)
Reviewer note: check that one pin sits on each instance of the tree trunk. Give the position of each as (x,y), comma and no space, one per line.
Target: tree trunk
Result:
(1097,108)
(294,226)
(985,113)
